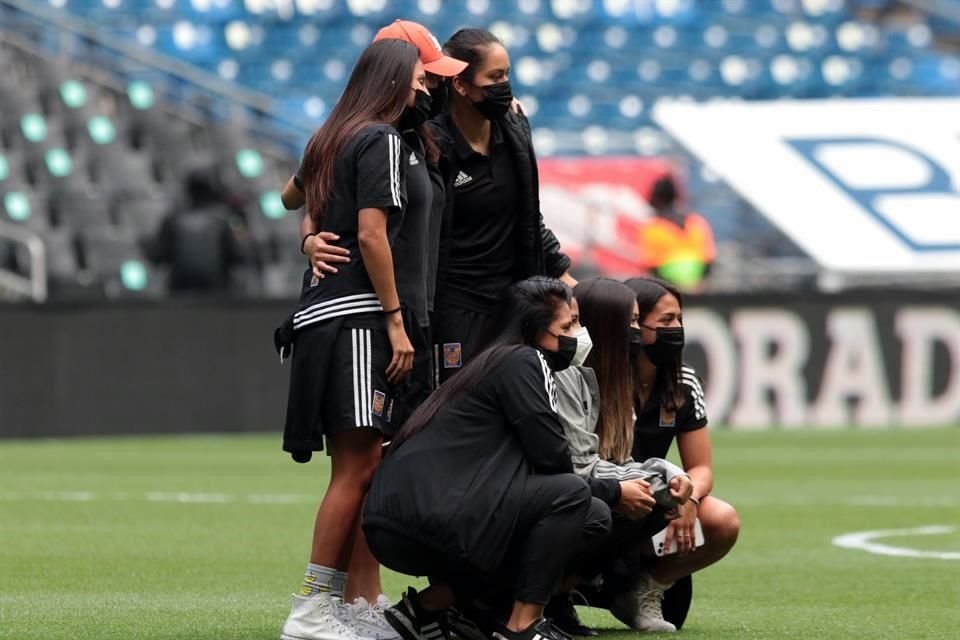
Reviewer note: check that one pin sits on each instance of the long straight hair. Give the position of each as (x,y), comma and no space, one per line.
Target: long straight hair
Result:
(666,388)
(527,312)
(377,92)
(606,308)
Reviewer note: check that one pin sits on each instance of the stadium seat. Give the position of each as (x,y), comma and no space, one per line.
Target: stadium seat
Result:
(80,208)
(54,167)
(124,172)
(142,216)
(116,260)
(23,207)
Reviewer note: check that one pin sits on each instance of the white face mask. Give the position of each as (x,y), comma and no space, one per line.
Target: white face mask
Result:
(584,344)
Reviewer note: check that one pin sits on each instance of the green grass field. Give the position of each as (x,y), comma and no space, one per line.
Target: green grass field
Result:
(205,537)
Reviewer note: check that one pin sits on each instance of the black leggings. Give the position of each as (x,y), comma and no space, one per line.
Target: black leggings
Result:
(559,528)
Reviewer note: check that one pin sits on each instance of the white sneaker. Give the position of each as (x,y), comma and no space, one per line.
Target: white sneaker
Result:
(642,607)
(366,620)
(314,618)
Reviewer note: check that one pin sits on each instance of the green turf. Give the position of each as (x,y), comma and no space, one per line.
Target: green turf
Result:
(93,543)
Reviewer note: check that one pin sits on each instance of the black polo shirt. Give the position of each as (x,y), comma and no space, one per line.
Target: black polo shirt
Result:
(486,195)
(411,251)
(655,427)
(437,206)
(369,173)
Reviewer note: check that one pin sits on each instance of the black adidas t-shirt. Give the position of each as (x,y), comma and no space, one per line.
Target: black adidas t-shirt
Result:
(370,173)
(437,207)
(655,428)
(411,251)
(486,195)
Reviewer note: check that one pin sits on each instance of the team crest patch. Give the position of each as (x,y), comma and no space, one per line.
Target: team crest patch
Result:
(667,418)
(379,399)
(452,357)
(314,281)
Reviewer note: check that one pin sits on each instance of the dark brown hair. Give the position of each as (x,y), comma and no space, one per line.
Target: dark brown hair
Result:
(666,388)
(606,309)
(377,92)
(470,45)
(527,312)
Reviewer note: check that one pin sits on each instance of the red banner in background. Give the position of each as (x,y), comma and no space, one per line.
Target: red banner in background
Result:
(595,206)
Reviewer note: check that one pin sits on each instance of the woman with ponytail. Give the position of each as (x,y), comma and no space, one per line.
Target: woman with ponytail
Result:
(477,491)
(493,232)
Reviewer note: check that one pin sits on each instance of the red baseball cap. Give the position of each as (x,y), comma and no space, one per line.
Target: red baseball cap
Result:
(431,55)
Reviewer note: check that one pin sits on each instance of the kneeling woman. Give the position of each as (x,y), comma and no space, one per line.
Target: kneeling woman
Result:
(479,483)
(670,406)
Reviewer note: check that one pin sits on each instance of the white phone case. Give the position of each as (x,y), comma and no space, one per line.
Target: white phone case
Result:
(660,537)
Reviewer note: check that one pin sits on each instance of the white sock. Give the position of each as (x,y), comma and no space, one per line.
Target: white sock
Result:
(318,579)
(339,584)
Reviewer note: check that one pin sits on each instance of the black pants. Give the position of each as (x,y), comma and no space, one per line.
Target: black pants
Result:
(459,334)
(626,553)
(559,527)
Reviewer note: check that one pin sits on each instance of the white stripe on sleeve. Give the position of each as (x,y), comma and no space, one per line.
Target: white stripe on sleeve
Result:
(394,160)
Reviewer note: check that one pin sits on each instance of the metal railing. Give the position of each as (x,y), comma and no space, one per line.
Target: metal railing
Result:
(18,287)
(77,34)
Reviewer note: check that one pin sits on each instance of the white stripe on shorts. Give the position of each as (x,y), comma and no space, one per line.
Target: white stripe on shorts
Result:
(367,371)
(356,378)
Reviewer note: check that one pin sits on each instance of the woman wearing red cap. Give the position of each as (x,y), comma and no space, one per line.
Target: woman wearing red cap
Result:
(492,233)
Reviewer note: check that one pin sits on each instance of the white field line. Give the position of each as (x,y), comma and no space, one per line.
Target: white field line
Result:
(864,541)
(191,497)
(178,497)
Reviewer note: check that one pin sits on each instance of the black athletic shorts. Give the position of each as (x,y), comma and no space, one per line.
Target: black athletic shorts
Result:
(342,386)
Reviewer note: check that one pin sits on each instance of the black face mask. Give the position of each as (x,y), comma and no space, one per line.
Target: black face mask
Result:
(561,358)
(496,102)
(635,341)
(413,117)
(664,350)
(439,96)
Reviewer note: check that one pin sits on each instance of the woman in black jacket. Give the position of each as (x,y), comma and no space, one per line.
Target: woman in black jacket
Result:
(493,232)
(479,482)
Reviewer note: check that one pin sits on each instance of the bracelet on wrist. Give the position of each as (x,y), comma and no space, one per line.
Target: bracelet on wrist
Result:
(303,242)
(392,311)
(695,501)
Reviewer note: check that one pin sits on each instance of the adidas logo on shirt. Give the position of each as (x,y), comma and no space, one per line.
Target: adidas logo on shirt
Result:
(413,159)
(462,179)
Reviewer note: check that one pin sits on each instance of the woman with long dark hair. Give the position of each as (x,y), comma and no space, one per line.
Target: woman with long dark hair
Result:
(493,232)
(351,348)
(595,401)
(479,482)
(669,405)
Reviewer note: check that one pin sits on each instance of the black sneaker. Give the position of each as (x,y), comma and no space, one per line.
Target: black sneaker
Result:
(542,629)
(413,622)
(563,614)
(459,627)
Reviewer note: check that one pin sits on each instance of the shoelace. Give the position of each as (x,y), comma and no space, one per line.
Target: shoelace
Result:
(336,614)
(651,603)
